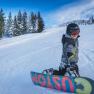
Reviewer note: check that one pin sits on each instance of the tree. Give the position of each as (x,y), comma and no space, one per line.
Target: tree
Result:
(15,27)
(40,23)
(1,23)
(19,22)
(33,22)
(92,19)
(9,26)
(29,25)
(24,23)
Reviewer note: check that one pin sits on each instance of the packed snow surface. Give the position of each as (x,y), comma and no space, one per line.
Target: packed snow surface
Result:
(36,52)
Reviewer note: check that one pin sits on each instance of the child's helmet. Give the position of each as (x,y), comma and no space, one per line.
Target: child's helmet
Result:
(72,28)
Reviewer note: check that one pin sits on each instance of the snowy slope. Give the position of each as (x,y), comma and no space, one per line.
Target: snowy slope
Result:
(36,52)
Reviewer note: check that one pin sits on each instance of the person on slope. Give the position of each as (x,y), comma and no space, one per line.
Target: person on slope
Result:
(70,48)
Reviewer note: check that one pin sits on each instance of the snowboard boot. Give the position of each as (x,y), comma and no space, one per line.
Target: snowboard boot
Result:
(48,71)
(75,70)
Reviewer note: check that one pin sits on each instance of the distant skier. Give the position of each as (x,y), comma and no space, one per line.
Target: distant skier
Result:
(70,48)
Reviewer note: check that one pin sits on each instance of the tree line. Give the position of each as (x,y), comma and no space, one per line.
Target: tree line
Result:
(80,22)
(20,24)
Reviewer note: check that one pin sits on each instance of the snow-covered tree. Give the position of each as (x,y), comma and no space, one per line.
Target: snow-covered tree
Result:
(29,25)
(33,21)
(40,23)
(36,23)
(1,23)
(92,19)
(9,26)
(15,27)
(24,23)
(19,22)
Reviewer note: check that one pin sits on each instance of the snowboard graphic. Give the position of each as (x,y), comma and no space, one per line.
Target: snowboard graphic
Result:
(79,85)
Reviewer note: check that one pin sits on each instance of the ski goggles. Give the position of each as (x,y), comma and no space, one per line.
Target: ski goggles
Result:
(75,33)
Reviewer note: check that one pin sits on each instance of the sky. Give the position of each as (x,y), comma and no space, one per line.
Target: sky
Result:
(36,5)
(46,7)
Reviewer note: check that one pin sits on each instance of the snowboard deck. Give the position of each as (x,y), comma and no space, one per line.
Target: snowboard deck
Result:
(78,85)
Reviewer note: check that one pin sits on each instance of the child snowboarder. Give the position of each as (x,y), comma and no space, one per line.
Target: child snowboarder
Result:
(70,49)
(69,58)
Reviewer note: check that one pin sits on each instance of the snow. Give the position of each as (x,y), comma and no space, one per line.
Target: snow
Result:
(36,52)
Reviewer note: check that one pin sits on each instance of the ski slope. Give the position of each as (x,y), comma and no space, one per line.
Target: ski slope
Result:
(37,52)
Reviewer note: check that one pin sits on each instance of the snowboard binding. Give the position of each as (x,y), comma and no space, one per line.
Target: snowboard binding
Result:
(68,70)
(72,70)
(48,71)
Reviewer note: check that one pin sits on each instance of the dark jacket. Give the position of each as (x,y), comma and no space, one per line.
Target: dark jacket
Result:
(70,49)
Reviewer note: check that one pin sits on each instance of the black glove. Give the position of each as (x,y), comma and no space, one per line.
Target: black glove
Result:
(69,54)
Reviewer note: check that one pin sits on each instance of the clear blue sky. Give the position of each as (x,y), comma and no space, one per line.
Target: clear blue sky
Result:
(37,5)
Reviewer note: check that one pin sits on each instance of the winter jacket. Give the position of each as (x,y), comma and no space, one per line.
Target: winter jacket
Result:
(70,50)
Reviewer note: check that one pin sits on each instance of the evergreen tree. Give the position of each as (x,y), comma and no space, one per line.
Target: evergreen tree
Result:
(9,26)
(33,22)
(36,23)
(40,23)
(92,19)
(1,23)
(24,21)
(29,25)
(15,27)
(19,22)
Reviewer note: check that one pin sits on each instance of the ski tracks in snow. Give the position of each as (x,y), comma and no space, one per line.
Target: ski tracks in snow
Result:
(86,63)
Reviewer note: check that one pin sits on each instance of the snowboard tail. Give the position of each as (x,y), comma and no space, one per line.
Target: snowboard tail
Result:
(79,85)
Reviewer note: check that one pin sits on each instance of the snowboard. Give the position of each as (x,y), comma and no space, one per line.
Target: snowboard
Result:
(78,85)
